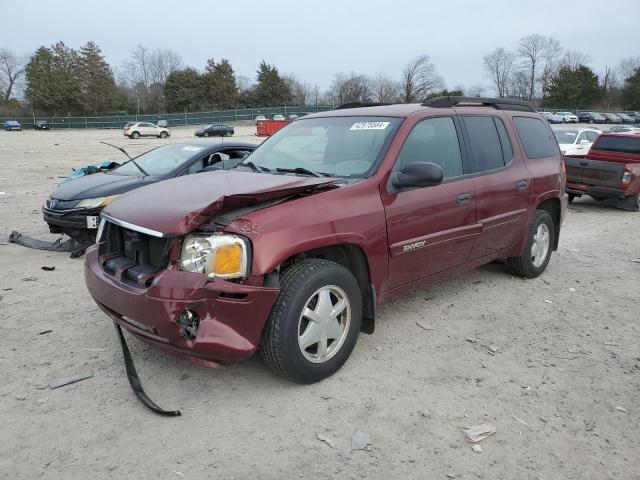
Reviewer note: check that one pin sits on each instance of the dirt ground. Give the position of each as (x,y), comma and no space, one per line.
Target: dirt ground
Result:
(553,363)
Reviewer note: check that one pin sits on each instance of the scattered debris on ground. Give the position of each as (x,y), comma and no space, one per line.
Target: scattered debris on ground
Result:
(360,441)
(61,382)
(520,420)
(326,440)
(47,268)
(478,433)
(476,448)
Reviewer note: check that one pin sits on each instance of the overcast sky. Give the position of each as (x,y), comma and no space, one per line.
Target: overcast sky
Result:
(315,39)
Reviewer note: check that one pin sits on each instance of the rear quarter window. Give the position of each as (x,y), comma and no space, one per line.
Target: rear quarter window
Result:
(611,143)
(536,137)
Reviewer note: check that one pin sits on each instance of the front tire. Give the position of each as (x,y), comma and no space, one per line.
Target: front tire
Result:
(537,252)
(314,323)
(164,135)
(135,135)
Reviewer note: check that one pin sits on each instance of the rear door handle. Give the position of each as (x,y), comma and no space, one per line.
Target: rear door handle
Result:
(464,199)
(522,185)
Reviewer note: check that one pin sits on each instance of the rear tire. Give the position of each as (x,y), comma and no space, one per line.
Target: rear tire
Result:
(135,135)
(163,135)
(537,251)
(309,347)
(630,203)
(205,134)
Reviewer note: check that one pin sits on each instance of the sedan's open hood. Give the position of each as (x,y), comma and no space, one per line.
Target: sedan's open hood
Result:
(179,205)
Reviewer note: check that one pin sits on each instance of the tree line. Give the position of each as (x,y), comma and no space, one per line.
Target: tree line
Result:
(61,80)
(540,70)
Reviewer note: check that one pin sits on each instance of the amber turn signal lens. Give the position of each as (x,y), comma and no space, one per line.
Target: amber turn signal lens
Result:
(228,259)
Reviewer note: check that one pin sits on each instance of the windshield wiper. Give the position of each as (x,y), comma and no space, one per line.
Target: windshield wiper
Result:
(254,167)
(119,148)
(144,172)
(302,171)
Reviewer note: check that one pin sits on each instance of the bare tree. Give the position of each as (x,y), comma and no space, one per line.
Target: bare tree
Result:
(11,70)
(573,59)
(419,79)
(531,49)
(550,54)
(300,90)
(475,90)
(627,67)
(349,89)
(519,84)
(244,83)
(385,89)
(499,66)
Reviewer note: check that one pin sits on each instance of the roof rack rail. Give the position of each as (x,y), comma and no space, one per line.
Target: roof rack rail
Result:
(360,104)
(497,103)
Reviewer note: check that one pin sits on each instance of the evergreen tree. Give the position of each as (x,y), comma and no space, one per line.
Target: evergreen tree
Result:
(184,90)
(271,89)
(221,87)
(99,92)
(573,87)
(631,91)
(38,72)
(66,78)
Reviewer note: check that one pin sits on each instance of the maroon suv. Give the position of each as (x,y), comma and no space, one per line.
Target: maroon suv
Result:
(291,251)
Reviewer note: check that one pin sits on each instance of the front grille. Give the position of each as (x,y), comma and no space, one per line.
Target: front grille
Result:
(131,256)
(55,204)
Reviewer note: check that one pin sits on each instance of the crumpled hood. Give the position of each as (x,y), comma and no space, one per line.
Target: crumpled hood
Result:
(177,206)
(99,185)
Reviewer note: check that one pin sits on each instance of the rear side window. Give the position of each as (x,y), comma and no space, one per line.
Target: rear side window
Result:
(537,140)
(486,147)
(611,143)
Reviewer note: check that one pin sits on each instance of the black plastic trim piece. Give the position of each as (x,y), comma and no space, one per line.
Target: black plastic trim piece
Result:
(134,380)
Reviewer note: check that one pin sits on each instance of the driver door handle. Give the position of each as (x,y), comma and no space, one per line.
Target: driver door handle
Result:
(464,198)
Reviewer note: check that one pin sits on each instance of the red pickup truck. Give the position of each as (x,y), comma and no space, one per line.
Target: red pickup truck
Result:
(611,169)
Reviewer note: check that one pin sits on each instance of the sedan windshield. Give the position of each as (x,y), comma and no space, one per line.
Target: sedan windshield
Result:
(160,161)
(329,146)
(565,136)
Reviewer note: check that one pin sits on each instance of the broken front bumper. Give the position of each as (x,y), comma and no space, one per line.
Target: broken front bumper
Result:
(231,316)
(62,220)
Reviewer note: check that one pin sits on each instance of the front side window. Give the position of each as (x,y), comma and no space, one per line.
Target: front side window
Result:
(486,148)
(433,140)
(536,137)
(330,146)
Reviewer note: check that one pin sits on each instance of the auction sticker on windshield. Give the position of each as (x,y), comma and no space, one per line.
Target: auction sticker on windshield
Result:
(369,126)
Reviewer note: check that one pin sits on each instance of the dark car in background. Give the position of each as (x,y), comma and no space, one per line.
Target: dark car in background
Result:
(12,125)
(590,117)
(74,208)
(41,125)
(611,118)
(626,118)
(217,130)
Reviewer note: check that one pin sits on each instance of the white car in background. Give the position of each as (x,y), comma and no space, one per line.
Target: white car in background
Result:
(575,142)
(145,129)
(567,117)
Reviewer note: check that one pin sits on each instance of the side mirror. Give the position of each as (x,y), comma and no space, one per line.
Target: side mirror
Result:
(417,175)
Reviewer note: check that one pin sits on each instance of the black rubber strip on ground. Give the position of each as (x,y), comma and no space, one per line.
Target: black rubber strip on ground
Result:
(134,380)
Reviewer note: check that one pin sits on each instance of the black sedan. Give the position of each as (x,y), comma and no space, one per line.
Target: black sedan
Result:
(41,125)
(74,208)
(590,117)
(218,130)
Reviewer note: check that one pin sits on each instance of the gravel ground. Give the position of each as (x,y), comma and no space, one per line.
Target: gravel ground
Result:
(553,363)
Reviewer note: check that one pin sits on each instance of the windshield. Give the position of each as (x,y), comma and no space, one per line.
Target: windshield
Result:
(330,146)
(565,136)
(160,161)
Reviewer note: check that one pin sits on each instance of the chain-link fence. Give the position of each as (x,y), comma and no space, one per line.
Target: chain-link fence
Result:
(174,119)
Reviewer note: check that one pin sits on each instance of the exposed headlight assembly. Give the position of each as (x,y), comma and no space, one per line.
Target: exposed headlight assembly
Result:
(219,255)
(96,202)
